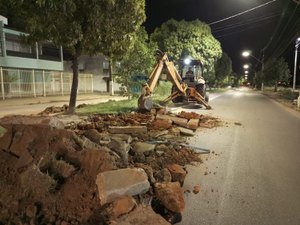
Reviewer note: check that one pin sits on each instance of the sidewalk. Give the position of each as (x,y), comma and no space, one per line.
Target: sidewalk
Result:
(27,106)
(55,100)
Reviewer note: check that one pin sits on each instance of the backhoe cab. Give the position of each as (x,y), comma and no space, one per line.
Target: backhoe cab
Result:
(186,88)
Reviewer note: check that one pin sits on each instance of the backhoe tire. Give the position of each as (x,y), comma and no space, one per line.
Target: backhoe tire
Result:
(200,88)
(177,99)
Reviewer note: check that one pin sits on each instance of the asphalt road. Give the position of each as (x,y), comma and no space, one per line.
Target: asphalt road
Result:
(253,174)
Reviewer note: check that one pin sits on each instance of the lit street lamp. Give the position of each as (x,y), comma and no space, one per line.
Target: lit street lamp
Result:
(295,66)
(247,54)
(246,66)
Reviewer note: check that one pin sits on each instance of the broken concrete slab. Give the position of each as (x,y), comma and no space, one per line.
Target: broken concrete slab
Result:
(156,134)
(170,195)
(120,147)
(127,129)
(186,131)
(148,170)
(193,124)
(177,173)
(177,120)
(208,123)
(189,115)
(95,136)
(142,216)
(161,124)
(95,161)
(163,175)
(120,206)
(116,183)
(124,137)
(142,147)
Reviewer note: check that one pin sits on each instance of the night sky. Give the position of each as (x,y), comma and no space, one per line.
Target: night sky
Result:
(252,30)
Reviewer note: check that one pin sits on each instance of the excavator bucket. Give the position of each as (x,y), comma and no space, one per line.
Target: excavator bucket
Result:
(145,103)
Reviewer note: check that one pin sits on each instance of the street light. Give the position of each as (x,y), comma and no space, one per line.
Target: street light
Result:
(246,66)
(295,66)
(246,71)
(247,54)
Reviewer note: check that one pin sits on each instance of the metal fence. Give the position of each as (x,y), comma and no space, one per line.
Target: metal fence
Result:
(33,83)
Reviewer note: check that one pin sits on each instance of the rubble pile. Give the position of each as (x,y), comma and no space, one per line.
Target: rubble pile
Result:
(101,169)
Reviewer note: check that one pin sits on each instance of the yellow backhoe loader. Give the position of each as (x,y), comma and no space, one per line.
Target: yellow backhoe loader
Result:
(184,89)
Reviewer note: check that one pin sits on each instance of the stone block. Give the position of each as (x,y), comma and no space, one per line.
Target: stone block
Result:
(120,206)
(142,216)
(186,131)
(170,195)
(189,115)
(148,170)
(120,147)
(127,129)
(193,124)
(179,121)
(115,183)
(142,147)
(163,175)
(160,124)
(177,173)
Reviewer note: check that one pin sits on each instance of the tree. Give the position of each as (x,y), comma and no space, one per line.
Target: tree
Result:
(83,27)
(223,68)
(137,64)
(194,39)
(276,70)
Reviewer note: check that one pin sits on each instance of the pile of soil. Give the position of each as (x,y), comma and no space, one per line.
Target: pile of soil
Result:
(48,174)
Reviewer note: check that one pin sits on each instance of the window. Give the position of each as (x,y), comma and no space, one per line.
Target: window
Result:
(13,43)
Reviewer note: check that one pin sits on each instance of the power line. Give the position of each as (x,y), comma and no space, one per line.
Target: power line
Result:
(240,24)
(285,38)
(239,31)
(277,27)
(241,13)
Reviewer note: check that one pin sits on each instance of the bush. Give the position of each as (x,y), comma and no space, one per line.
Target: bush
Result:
(288,94)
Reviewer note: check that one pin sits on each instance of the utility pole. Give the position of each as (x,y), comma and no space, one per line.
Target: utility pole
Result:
(295,65)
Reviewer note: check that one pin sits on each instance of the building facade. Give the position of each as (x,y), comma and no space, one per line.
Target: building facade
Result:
(33,70)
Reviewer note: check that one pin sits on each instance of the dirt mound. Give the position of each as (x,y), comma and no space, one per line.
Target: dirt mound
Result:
(48,174)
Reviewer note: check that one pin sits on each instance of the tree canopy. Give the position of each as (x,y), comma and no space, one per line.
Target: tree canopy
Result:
(137,64)
(276,70)
(223,67)
(194,39)
(83,27)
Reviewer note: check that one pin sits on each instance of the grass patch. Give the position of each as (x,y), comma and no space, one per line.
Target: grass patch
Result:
(161,91)
(110,107)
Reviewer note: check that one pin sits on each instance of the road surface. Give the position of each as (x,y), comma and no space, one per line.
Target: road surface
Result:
(253,174)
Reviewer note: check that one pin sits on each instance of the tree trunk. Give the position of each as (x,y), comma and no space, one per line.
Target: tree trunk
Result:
(111,79)
(275,87)
(73,96)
